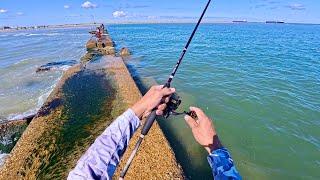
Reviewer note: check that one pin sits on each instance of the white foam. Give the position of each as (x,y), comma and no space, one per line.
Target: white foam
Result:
(61,68)
(32,35)
(16,116)
(52,34)
(3,157)
(36,34)
(44,96)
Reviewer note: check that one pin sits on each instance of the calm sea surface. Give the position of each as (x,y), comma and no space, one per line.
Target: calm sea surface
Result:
(259,82)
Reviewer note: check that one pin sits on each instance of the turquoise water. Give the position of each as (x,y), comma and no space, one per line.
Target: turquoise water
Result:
(22,90)
(259,82)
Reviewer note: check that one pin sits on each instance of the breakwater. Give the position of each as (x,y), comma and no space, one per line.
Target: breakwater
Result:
(86,100)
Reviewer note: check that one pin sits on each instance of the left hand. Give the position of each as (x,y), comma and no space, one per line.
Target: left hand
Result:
(156,97)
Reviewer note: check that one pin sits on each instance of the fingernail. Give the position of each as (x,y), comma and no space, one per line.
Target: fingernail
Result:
(172,89)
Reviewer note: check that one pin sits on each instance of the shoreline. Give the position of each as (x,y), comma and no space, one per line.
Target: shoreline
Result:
(83,25)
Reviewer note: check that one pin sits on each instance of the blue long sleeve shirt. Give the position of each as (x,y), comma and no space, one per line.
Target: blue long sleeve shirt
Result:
(101,159)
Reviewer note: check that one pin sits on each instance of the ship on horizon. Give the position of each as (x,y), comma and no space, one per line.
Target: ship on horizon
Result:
(240,21)
(275,22)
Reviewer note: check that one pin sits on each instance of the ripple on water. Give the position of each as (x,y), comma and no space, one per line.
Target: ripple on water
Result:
(259,81)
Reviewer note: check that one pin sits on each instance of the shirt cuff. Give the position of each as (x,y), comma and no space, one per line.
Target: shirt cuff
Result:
(220,160)
(132,117)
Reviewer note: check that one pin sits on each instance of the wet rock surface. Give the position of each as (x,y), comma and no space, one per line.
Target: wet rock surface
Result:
(10,132)
(98,47)
(56,65)
(124,52)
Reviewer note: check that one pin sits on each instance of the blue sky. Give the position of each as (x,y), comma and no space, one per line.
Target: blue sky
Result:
(35,12)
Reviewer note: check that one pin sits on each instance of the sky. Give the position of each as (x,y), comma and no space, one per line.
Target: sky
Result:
(40,12)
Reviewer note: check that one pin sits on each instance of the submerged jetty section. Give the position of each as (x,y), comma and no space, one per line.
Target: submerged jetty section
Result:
(89,96)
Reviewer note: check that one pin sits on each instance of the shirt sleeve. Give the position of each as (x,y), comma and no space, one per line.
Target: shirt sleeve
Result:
(103,156)
(222,165)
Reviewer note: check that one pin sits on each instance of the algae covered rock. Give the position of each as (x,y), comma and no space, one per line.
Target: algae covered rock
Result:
(107,51)
(91,44)
(124,52)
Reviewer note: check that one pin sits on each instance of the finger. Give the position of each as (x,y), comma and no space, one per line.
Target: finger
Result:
(167,99)
(157,87)
(159,112)
(167,91)
(162,107)
(190,121)
(198,111)
(146,114)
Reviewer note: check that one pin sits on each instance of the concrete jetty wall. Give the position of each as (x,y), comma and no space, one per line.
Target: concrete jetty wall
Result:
(86,100)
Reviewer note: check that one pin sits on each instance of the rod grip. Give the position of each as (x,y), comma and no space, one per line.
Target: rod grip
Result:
(147,125)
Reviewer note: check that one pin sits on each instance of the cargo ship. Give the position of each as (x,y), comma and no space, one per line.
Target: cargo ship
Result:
(275,22)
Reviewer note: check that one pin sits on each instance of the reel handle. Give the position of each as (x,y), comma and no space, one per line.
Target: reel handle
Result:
(193,114)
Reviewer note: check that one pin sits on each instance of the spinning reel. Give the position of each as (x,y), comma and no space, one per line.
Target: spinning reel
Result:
(173,105)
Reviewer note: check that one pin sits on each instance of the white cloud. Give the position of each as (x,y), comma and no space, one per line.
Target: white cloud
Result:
(66,6)
(3,10)
(118,14)
(20,13)
(88,5)
(296,6)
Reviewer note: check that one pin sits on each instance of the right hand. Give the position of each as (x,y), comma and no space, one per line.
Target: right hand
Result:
(203,130)
(156,97)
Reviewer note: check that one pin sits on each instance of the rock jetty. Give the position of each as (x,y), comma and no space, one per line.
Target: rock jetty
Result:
(86,100)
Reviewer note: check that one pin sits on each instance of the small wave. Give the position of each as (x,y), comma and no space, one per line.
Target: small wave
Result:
(17,116)
(3,157)
(41,101)
(22,61)
(28,35)
(43,97)
(37,34)
(20,34)
(52,34)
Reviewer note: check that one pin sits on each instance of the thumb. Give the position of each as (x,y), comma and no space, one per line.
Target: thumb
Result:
(190,121)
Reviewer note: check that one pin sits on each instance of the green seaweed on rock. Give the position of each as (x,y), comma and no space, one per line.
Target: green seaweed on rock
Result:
(87,105)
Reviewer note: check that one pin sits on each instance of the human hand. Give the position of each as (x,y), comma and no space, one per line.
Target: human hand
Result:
(203,130)
(156,97)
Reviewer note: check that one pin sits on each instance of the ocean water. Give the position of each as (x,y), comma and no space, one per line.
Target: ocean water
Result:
(259,82)
(22,90)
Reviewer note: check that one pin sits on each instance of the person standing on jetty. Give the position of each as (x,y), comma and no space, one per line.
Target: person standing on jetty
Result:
(103,156)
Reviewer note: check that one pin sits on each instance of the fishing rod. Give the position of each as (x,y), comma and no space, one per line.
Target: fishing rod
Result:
(172,105)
